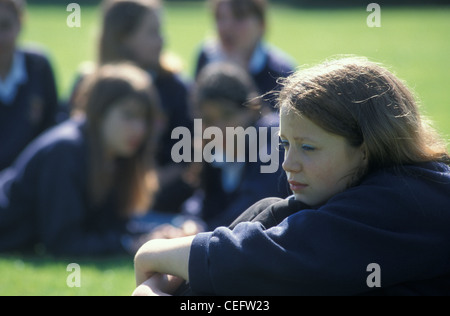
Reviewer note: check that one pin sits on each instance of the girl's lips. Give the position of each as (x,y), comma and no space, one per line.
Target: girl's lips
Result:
(297,186)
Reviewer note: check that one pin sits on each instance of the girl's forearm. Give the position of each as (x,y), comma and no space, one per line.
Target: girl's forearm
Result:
(168,256)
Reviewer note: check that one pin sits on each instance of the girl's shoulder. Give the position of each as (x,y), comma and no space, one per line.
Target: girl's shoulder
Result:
(422,189)
(36,57)
(64,141)
(279,59)
(417,174)
(68,134)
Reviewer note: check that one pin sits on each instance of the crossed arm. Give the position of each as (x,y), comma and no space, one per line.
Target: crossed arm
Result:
(161,265)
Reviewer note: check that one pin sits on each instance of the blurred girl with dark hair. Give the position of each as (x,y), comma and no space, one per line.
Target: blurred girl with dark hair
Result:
(226,97)
(132,31)
(241,26)
(73,189)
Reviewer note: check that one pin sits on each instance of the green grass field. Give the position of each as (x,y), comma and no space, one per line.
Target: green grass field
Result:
(46,276)
(413,42)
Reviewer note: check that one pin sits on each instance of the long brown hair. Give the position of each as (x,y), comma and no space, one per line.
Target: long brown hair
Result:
(368,105)
(133,179)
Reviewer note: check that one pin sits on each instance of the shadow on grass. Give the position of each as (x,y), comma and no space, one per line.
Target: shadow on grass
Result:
(101,263)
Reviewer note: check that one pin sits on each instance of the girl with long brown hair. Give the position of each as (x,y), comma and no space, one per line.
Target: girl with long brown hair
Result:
(369,213)
(73,190)
(132,31)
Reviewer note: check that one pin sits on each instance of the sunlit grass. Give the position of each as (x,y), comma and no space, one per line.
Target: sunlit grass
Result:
(46,276)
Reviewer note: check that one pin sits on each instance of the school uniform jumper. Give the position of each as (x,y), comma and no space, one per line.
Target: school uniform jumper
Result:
(28,104)
(44,199)
(398,219)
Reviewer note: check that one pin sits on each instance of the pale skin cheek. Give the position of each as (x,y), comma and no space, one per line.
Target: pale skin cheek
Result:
(326,175)
(320,171)
(326,183)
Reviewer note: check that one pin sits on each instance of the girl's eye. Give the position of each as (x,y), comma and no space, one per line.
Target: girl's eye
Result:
(308,147)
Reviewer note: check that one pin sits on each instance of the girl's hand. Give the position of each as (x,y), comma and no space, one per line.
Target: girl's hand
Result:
(158,285)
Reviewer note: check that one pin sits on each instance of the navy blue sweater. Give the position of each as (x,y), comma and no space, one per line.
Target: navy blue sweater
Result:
(399,221)
(32,111)
(174,95)
(44,199)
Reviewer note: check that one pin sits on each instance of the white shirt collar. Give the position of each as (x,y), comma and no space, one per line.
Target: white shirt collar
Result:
(257,61)
(17,75)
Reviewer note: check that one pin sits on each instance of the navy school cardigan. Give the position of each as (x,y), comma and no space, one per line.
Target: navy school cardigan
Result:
(397,220)
(44,199)
(33,110)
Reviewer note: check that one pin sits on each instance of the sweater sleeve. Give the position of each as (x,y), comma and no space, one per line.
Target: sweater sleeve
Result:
(327,251)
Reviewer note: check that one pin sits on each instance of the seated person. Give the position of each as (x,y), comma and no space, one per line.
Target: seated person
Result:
(28,97)
(225,98)
(131,31)
(241,26)
(371,181)
(73,189)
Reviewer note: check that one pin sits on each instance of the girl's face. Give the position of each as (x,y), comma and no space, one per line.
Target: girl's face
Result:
(146,43)
(318,164)
(124,128)
(223,114)
(238,36)
(9,30)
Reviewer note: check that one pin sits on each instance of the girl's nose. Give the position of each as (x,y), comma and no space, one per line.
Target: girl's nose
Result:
(292,162)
